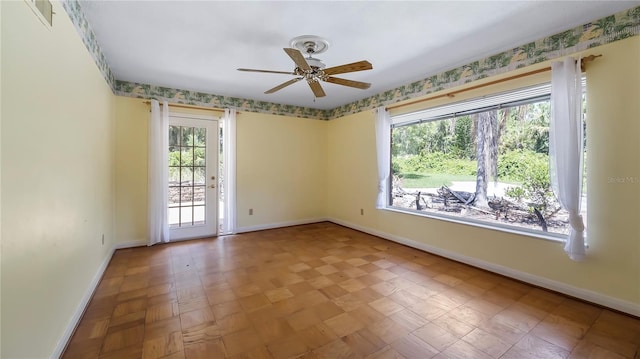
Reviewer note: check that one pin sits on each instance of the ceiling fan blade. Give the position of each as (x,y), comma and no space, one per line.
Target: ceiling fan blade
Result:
(317,89)
(352,67)
(268,71)
(350,83)
(283,85)
(297,57)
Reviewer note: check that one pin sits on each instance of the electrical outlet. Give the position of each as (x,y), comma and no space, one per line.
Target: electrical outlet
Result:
(103,239)
(251,211)
(362,211)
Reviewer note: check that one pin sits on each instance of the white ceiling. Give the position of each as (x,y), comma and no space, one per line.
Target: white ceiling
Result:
(198,45)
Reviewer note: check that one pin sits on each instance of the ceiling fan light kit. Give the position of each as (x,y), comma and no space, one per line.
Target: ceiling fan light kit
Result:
(312,69)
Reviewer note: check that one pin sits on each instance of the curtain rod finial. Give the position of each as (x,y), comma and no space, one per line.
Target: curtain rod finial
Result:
(590,57)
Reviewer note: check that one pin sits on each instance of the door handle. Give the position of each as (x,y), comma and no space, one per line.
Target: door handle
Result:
(213,186)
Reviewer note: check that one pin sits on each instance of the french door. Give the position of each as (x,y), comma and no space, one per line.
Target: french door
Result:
(193,177)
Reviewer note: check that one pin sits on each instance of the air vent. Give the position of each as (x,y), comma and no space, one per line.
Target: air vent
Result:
(43,9)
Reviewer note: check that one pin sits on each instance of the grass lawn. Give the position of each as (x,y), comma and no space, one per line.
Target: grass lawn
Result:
(432,180)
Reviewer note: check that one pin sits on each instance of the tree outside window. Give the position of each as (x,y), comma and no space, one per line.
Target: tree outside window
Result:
(490,167)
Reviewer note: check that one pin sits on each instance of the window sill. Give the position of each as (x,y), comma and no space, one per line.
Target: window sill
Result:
(553,237)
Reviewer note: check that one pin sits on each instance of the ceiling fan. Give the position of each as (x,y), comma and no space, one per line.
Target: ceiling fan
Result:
(313,70)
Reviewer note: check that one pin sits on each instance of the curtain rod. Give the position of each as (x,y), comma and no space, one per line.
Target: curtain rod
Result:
(453,93)
(190,106)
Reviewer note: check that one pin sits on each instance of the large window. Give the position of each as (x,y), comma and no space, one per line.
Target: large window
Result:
(484,161)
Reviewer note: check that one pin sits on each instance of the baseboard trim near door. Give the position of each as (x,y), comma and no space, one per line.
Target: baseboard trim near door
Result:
(262,227)
(576,292)
(130,244)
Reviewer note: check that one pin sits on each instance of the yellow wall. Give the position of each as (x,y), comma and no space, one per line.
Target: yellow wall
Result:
(613,264)
(57,178)
(281,168)
(613,137)
(132,154)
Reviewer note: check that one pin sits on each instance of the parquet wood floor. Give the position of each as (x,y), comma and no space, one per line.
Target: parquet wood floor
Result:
(325,291)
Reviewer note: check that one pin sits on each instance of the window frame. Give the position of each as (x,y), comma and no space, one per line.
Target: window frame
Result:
(500,100)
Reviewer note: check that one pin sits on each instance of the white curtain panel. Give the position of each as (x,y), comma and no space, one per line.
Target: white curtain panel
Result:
(229,143)
(383,151)
(566,148)
(158,175)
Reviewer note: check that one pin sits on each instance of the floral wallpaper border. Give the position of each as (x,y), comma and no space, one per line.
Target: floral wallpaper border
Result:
(73,9)
(612,28)
(145,91)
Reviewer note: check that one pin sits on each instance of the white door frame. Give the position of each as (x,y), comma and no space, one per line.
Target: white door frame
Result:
(210,227)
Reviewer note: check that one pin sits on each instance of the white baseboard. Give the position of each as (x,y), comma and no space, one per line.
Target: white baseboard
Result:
(77,315)
(130,244)
(84,302)
(279,225)
(584,294)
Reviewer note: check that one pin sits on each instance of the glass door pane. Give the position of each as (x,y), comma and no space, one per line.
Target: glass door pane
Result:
(193,165)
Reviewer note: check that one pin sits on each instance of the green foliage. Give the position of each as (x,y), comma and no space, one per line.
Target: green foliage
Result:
(395,168)
(186,156)
(522,127)
(521,166)
(537,131)
(408,140)
(407,164)
(450,136)
(527,127)
(435,162)
(437,137)
(532,170)
(539,138)
(516,193)
(515,165)
(463,138)
(449,163)
(538,187)
(431,180)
